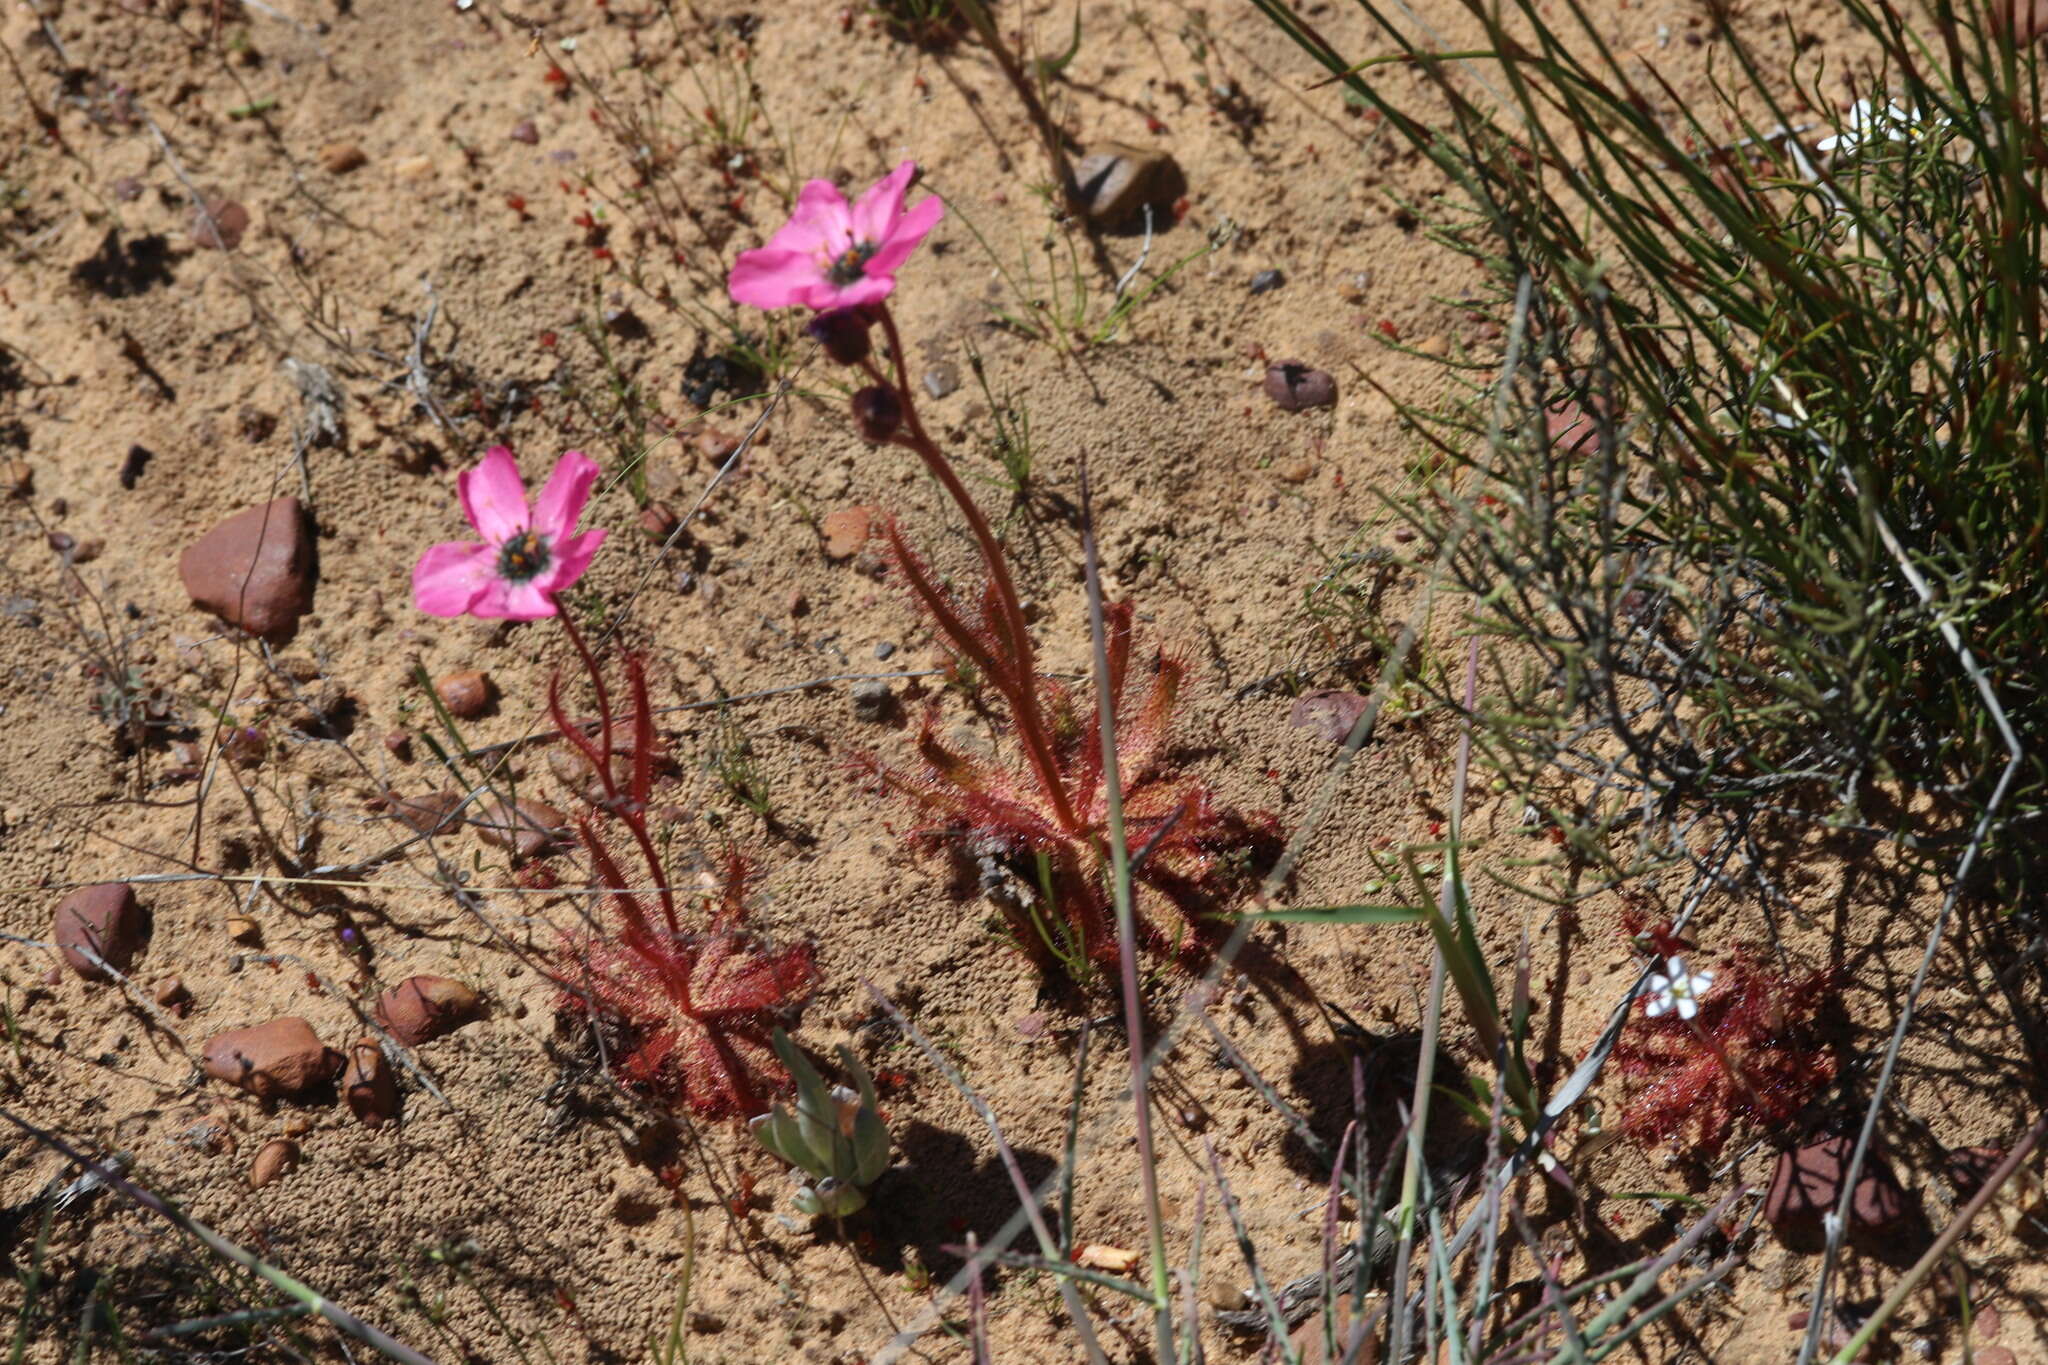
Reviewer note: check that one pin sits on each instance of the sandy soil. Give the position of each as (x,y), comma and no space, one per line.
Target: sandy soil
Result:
(518,1208)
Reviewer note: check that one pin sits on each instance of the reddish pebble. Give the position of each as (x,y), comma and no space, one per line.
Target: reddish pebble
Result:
(465,694)
(282,1057)
(528,832)
(102,920)
(524,131)
(422,1008)
(367,1085)
(273,1159)
(846,531)
(399,745)
(1995,1355)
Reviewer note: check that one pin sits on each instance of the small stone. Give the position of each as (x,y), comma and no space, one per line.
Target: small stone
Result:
(133,463)
(1435,347)
(1329,712)
(575,772)
(218,222)
(398,744)
(1030,1026)
(1995,1355)
(873,702)
(942,379)
(255,569)
(1266,281)
(425,814)
(243,929)
(846,531)
(414,168)
(1226,1297)
(657,521)
(716,444)
(273,1159)
(368,1086)
(21,478)
(1573,429)
(341,157)
(127,188)
(524,131)
(170,992)
(884,649)
(466,694)
(1114,183)
(280,1058)
(1987,1324)
(1295,386)
(105,920)
(1297,470)
(422,1008)
(526,831)
(1807,1182)
(1354,287)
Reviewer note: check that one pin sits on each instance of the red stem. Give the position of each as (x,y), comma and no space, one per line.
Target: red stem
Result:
(1023,690)
(633,814)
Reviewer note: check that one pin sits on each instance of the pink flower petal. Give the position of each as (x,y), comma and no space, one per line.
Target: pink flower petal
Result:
(560,504)
(909,231)
(771,277)
(569,558)
(494,496)
(820,225)
(870,289)
(875,212)
(451,576)
(526,602)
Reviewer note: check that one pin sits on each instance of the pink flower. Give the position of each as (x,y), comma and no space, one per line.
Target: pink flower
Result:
(831,254)
(527,555)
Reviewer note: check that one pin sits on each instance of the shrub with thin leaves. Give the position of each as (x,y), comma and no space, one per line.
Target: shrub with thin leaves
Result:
(1754,503)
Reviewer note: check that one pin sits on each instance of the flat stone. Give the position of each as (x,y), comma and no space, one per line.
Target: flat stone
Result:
(527,830)
(104,919)
(339,158)
(846,531)
(367,1084)
(1807,1182)
(254,570)
(281,1058)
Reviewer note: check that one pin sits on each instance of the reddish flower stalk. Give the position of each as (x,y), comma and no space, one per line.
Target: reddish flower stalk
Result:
(1183,846)
(1017,684)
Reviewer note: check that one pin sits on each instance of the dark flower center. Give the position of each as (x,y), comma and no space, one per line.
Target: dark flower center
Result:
(523,556)
(851,264)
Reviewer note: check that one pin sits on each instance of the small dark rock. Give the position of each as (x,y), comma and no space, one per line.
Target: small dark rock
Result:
(105,920)
(524,131)
(399,745)
(219,222)
(425,814)
(131,467)
(1266,281)
(254,570)
(873,702)
(1294,386)
(884,649)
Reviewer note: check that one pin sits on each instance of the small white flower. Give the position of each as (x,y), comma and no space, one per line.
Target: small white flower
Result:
(1674,988)
(1865,124)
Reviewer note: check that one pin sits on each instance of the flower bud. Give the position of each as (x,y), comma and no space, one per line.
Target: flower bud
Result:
(843,333)
(877,412)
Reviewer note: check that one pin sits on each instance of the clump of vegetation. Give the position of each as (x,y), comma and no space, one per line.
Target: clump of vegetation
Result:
(698,1007)
(1749,1050)
(1043,823)
(835,1135)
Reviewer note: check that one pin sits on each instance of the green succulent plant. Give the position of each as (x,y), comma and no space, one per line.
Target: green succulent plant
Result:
(835,1135)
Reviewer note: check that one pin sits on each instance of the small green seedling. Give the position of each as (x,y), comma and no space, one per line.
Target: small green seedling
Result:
(836,1136)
